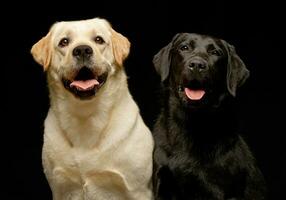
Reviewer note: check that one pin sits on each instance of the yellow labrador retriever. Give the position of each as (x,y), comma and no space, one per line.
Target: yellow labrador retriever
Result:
(96,145)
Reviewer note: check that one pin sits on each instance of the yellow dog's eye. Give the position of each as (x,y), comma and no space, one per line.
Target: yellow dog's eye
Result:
(99,40)
(64,42)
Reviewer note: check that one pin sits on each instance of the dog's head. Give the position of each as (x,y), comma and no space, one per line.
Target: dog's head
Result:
(81,54)
(200,69)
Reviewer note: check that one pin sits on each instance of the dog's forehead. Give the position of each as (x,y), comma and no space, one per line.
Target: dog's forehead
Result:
(82,27)
(197,39)
(203,40)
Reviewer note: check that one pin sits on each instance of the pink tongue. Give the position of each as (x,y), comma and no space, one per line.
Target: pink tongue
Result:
(84,85)
(194,94)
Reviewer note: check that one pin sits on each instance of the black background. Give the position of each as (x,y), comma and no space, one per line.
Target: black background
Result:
(255,29)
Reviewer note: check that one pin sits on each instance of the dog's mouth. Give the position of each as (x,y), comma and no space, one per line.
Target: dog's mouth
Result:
(194,94)
(85,84)
(195,90)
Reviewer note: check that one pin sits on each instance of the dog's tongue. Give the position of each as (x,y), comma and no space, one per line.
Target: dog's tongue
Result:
(194,94)
(84,85)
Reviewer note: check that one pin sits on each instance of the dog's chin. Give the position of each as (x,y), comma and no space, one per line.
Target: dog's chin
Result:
(194,99)
(200,99)
(85,83)
(194,94)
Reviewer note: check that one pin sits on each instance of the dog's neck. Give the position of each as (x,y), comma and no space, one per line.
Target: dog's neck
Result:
(203,128)
(87,119)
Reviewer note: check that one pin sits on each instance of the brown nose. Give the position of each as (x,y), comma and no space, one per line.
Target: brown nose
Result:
(82,51)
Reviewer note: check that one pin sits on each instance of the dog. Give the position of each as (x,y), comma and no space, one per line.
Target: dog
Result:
(96,145)
(199,152)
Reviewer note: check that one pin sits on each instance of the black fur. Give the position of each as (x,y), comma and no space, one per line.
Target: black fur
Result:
(199,153)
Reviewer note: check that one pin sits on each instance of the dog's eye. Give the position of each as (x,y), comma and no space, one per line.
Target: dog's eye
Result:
(216,52)
(64,42)
(99,40)
(184,48)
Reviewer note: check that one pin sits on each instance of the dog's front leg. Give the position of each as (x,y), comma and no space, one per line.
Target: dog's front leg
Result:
(255,186)
(64,187)
(163,184)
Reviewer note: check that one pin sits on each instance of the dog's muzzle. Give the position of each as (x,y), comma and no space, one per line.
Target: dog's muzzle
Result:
(85,84)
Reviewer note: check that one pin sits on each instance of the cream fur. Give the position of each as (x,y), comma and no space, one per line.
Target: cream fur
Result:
(97,149)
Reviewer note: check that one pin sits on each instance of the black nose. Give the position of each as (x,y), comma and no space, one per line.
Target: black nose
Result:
(198,65)
(82,51)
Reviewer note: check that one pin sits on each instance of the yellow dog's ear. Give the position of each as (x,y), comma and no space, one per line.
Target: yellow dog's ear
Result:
(41,51)
(121,47)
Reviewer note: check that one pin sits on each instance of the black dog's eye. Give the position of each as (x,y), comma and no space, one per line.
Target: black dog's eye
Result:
(216,52)
(64,42)
(184,48)
(99,40)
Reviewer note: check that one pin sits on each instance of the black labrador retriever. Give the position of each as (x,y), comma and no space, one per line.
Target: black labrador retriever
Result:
(199,153)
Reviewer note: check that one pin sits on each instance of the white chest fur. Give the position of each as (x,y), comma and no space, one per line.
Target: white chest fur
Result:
(92,160)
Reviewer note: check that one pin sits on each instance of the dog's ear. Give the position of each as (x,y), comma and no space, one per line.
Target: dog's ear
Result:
(237,73)
(120,47)
(162,60)
(42,51)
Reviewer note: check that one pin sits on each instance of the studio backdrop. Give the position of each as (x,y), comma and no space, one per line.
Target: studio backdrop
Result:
(253,28)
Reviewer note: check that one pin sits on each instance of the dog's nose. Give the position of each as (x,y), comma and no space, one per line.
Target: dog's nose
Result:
(198,65)
(82,51)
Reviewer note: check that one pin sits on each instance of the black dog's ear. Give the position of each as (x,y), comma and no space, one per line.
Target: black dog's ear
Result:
(237,73)
(162,60)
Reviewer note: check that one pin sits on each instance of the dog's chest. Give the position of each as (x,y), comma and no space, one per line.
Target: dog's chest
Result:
(90,172)
(82,164)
